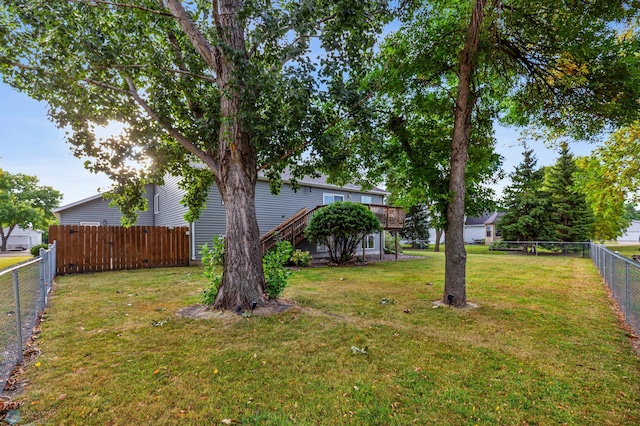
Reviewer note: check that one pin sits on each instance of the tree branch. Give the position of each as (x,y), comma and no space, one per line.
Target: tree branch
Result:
(198,40)
(304,145)
(178,71)
(124,5)
(175,133)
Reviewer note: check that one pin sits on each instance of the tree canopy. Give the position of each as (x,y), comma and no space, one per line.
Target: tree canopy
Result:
(610,180)
(558,65)
(213,92)
(416,225)
(24,203)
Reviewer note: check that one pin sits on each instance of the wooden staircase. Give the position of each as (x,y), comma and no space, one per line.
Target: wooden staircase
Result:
(292,229)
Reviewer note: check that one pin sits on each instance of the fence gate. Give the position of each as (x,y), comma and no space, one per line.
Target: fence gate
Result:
(107,248)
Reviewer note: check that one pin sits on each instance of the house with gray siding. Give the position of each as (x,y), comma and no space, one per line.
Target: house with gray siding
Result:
(164,209)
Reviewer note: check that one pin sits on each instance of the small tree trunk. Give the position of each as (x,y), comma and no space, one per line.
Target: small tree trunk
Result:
(436,247)
(455,255)
(5,238)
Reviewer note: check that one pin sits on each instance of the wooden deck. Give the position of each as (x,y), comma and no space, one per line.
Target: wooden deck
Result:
(292,229)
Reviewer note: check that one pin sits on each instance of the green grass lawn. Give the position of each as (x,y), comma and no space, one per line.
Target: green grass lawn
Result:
(626,250)
(6,262)
(543,347)
(469,248)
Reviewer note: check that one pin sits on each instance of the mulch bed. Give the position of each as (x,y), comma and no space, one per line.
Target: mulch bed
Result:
(358,261)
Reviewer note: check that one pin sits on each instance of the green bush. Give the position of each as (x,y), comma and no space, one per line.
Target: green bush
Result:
(300,258)
(275,273)
(35,250)
(213,261)
(390,243)
(341,226)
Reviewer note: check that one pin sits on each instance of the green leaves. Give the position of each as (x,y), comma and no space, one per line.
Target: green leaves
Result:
(136,64)
(25,203)
(341,226)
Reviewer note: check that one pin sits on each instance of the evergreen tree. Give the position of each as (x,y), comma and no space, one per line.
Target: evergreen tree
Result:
(528,206)
(572,216)
(416,226)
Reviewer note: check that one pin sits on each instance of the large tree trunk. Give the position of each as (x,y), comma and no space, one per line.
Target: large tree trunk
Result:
(243,278)
(455,256)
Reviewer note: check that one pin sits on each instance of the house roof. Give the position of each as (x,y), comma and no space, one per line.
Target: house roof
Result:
(320,182)
(21,231)
(77,203)
(493,218)
(477,220)
(484,220)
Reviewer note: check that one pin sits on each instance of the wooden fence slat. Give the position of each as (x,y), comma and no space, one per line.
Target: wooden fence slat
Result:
(104,248)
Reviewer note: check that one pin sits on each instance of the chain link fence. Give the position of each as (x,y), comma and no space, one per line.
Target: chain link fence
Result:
(543,248)
(23,295)
(622,275)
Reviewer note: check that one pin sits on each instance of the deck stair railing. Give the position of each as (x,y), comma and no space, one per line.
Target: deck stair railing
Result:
(292,229)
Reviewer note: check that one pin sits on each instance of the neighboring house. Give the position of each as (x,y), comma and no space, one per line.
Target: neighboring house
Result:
(632,234)
(477,229)
(492,232)
(164,209)
(23,239)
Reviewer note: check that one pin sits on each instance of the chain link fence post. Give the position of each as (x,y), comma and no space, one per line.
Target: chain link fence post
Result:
(43,285)
(16,295)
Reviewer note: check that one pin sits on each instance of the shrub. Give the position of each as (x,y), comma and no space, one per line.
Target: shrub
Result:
(35,250)
(300,258)
(275,273)
(390,243)
(213,261)
(341,226)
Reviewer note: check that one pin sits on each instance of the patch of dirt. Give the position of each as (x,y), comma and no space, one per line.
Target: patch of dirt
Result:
(205,312)
(440,303)
(615,307)
(16,382)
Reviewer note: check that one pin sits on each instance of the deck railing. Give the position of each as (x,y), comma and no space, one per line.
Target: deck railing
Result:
(292,229)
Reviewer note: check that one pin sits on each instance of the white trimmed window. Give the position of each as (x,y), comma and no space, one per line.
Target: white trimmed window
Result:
(156,204)
(331,198)
(370,242)
(89,223)
(366,199)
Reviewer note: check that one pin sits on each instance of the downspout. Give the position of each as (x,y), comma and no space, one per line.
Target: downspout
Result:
(192,225)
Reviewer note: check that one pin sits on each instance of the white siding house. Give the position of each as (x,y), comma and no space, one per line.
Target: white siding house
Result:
(23,239)
(476,229)
(632,234)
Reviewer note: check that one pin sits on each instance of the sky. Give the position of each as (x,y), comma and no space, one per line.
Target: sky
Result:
(31,144)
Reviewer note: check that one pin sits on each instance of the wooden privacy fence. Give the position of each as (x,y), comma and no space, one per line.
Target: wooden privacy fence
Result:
(108,248)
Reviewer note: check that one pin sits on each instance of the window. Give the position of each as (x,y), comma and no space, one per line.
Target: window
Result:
(489,229)
(331,198)
(498,232)
(366,199)
(156,204)
(370,242)
(320,248)
(89,223)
